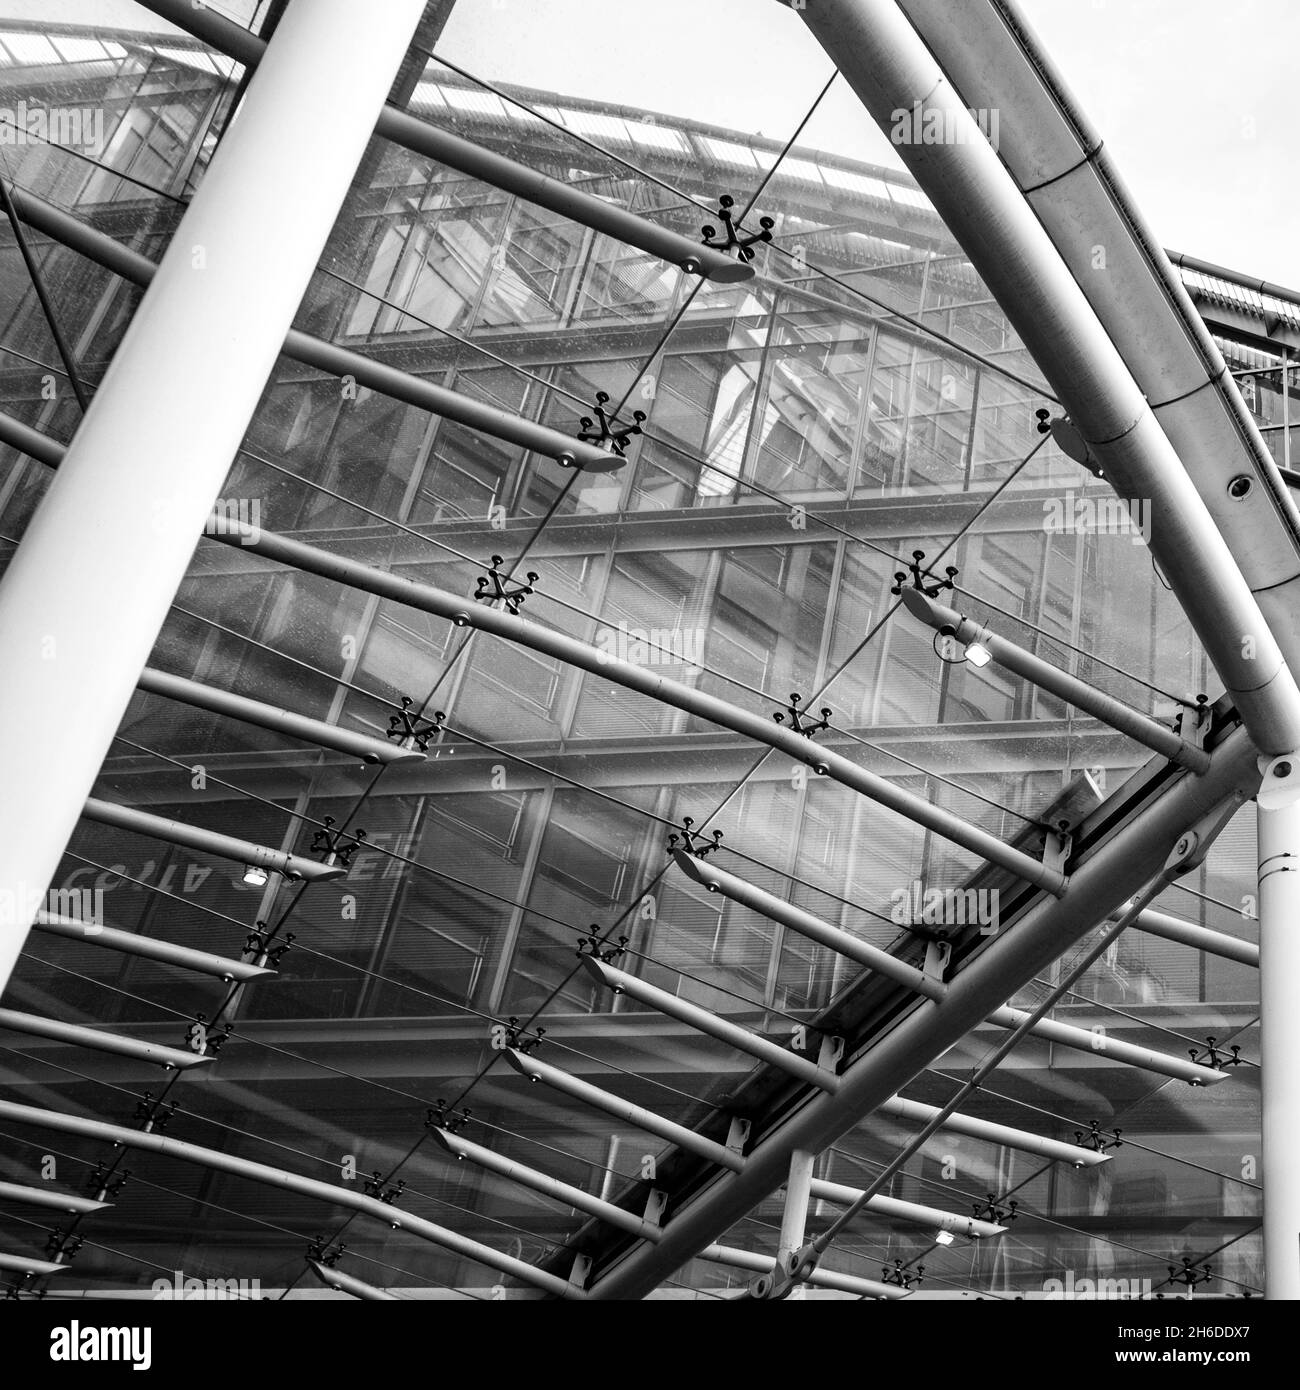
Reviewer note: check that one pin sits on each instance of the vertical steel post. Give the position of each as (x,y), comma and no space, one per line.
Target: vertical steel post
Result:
(1279,977)
(88,589)
(798,1191)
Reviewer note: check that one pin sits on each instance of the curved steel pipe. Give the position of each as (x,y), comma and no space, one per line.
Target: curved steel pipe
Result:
(280,721)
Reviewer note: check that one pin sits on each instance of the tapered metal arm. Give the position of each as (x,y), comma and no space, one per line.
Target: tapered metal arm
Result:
(346,1283)
(1057,682)
(47,1197)
(280,721)
(100,1041)
(132,944)
(292,866)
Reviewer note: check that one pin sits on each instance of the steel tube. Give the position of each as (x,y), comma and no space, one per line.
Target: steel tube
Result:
(20,1264)
(100,1041)
(562,1192)
(441,145)
(913,1212)
(46,1197)
(150,948)
(280,721)
(1057,682)
(992,1133)
(185,381)
(346,1283)
(742,1039)
(292,866)
(390,1215)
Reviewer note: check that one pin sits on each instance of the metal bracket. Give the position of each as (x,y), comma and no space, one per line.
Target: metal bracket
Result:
(580,1271)
(153,1114)
(440,1117)
(919,575)
(656,1203)
(323,1253)
(692,841)
(992,1210)
(336,846)
(739,242)
(937,954)
(1193,725)
(1057,845)
(830,1052)
(1189,1276)
(898,1275)
(1093,1138)
(799,720)
(376,1186)
(105,1182)
(608,434)
(517,1039)
(414,729)
(200,1038)
(738,1134)
(512,594)
(258,948)
(593,946)
(1212,1057)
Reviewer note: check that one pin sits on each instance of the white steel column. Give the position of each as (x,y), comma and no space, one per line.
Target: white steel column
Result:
(89,587)
(1279,978)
